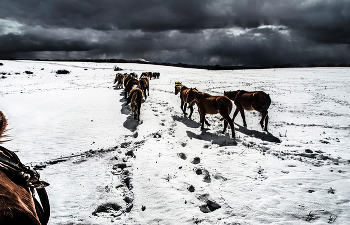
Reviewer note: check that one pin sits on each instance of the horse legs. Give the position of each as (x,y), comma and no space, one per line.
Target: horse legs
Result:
(235,114)
(264,116)
(243,117)
(202,118)
(183,107)
(138,112)
(266,122)
(202,122)
(191,109)
(125,93)
(127,101)
(225,126)
(228,120)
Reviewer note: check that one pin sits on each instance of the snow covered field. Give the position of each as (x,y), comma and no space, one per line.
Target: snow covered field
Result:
(105,168)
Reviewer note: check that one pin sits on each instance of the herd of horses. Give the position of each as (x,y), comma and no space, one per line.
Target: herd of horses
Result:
(135,89)
(20,184)
(208,104)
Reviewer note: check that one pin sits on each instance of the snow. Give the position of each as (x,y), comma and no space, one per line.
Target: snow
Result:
(105,168)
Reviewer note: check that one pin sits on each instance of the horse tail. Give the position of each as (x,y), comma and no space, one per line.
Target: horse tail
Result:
(3,124)
(267,101)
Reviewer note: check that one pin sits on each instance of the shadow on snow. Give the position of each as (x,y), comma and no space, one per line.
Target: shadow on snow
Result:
(265,136)
(213,138)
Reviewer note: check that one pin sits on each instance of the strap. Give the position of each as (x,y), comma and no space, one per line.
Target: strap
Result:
(26,177)
(45,205)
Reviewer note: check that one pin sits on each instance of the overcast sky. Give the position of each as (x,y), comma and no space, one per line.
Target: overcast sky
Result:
(204,32)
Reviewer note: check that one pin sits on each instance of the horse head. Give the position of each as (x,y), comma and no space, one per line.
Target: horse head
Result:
(178,86)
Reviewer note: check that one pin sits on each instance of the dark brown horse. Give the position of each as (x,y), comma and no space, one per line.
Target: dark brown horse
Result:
(18,183)
(257,100)
(135,100)
(127,77)
(208,104)
(156,75)
(148,74)
(144,84)
(129,85)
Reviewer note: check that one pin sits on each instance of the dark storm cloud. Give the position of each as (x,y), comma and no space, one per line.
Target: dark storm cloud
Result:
(226,32)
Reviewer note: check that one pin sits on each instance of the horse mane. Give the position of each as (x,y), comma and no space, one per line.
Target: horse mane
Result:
(203,94)
(3,124)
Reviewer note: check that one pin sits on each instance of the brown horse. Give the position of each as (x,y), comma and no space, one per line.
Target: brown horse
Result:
(18,204)
(129,85)
(127,77)
(257,100)
(135,100)
(144,83)
(208,104)
(119,79)
(183,90)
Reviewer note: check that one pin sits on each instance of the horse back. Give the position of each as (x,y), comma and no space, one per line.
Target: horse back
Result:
(257,100)
(144,82)
(137,94)
(131,83)
(215,104)
(185,95)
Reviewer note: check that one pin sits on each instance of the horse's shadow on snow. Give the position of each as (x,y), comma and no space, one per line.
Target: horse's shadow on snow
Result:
(130,123)
(213,138)
(265,136)
(188,122)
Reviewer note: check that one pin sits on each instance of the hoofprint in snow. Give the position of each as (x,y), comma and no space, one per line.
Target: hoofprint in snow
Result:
(106,168)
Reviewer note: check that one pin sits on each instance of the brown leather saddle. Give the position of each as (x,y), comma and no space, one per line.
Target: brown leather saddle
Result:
(27,178)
